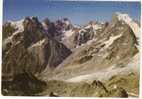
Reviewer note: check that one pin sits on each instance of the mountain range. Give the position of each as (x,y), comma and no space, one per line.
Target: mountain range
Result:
(97,59)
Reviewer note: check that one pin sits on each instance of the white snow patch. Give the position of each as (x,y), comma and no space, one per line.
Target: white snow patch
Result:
(44,25)
(97,27)
(120,28)
(115,86)
(39,43)
(82,30)
(67,22)
(124,17)
(88,26)
(18,25)
(68,33)
(91,41)
(111,40)
(94,26)
(128,20)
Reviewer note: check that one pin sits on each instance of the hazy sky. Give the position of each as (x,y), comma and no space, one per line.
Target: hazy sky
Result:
(78,12)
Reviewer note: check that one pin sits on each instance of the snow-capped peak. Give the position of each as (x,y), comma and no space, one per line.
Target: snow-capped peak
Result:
(124,17)
(129,21)
(18,25)
(66,21)
(94,25)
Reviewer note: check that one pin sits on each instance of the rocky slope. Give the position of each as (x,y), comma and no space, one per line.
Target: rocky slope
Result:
(97,57)
(110,52)
(29,48)
(114,47)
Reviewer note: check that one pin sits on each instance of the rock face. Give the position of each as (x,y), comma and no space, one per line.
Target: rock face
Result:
(56,29)
(71,36)
(29,48)
(7,30)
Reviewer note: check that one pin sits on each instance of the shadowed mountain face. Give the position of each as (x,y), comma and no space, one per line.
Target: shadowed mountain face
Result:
(71,59)
(29,48)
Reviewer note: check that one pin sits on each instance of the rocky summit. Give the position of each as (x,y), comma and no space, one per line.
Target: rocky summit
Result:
(58,58)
